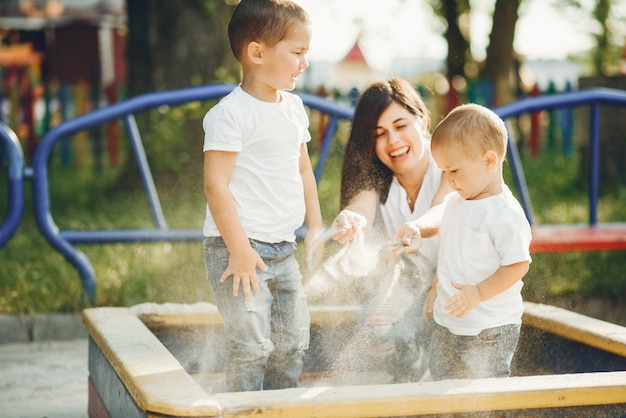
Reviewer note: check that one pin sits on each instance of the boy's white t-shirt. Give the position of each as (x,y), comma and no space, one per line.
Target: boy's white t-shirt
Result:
(477,237)
(396,210)
(266,183)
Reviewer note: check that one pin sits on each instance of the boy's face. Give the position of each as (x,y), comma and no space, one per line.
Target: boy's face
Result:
(471,176)
(283,63)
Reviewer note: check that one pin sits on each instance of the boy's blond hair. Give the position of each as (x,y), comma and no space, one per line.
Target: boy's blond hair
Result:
(475,128)
(266,21)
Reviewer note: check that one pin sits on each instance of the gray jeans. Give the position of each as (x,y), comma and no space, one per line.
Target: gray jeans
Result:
(269,335)
(487,354)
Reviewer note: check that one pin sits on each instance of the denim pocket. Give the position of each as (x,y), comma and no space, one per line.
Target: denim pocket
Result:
(490,335)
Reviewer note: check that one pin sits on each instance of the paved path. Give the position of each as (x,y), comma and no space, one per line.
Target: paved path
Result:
(44,379)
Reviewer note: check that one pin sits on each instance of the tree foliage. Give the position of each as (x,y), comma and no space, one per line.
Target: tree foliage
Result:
(499,61)
(500,55)
(604,19)
(171,45)
(175,44)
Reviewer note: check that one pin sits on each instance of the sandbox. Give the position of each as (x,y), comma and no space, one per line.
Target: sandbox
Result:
(166,361)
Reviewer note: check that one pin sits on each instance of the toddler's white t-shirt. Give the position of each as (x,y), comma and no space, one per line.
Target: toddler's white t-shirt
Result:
(476,238)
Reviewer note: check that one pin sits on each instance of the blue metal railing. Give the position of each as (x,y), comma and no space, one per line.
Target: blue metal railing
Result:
(15,165)
(64,240)
(594,98)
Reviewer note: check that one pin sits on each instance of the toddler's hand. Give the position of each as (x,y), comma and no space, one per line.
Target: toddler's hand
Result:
(408,239)
(460,304)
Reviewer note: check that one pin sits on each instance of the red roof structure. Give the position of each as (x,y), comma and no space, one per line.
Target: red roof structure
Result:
(354,55)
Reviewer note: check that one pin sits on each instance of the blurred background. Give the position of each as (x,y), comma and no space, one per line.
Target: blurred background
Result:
(63,58)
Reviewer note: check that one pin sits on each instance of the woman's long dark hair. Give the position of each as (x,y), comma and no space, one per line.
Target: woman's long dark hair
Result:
(362,170)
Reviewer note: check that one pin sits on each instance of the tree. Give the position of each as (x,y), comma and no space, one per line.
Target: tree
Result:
(601,13)
(499,61)
(171,45)
(500,55)
(459,52)
(175,44)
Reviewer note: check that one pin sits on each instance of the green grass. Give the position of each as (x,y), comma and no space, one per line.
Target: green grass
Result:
(36,278)
(559,193)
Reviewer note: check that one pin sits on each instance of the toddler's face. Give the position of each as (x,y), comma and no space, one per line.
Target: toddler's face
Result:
(472,176)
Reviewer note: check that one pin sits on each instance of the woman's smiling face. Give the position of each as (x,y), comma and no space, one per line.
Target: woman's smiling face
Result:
(400,138)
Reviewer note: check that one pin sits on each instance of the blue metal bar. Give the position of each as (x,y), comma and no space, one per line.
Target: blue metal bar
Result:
(519,177)
(63,241)
(326,106)
(592,97)
(15,166)
(331,129)
(594,162)
(570,99)
(336,112)
(111,236)
(144,171)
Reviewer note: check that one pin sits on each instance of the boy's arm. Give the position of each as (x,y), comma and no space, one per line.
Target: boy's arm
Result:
(471,295)
(430,221)
(313,216)
(408,237)
(218,168)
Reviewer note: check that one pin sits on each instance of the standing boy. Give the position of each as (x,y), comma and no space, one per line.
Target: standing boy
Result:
(259,187)
(483,253)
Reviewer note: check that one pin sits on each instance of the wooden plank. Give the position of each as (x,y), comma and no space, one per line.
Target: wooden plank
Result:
(153,377)
(108,395)
(560,238)
(444,397)
(576,327)
(205,314)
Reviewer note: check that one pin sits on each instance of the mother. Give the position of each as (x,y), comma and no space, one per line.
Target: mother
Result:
(388,178)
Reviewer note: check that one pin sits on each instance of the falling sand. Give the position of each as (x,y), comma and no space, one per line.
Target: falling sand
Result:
(385,345)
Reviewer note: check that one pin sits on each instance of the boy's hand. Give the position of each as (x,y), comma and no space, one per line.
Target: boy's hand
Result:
(347,224)
(460,304)
(408,239)
(243,269)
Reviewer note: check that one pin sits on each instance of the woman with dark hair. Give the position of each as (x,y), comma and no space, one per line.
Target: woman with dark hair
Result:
(388,178)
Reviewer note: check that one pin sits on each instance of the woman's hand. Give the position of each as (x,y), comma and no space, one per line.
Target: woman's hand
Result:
(347,224)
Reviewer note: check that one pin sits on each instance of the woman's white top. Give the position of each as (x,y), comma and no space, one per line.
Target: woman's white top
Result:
(396,210)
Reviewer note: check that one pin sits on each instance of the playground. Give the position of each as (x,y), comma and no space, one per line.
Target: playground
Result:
(591,232)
